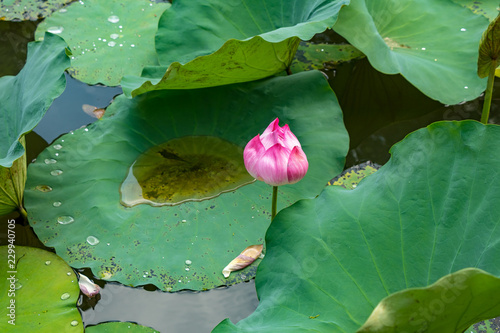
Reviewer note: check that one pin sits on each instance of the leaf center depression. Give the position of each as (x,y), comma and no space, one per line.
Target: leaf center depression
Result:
(191,168)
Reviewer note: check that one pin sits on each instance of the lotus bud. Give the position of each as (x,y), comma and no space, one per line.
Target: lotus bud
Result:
(245,258)
(88,287)
(275,157)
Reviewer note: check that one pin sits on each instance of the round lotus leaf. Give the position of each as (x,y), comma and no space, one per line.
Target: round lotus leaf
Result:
(24,10)
(429,212)
(39,292)
(119,327)
(75,206)
(202,44)
(24,98)
(108,38)
(437,53)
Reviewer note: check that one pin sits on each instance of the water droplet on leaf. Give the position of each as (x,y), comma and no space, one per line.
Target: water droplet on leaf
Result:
(113,19)
(55,30)
(64,296)
(56,172)
(44,188)
(66,219)
(92,240)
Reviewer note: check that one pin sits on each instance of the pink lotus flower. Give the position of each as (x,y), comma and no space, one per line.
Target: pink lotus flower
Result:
(276,157)
(88,287)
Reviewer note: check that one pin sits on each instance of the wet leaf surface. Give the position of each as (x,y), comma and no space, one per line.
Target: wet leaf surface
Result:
(436,53)
(108,38)
(427,213)
(45,291)
(74,203)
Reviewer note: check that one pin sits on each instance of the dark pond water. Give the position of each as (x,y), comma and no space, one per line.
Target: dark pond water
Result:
(379,110)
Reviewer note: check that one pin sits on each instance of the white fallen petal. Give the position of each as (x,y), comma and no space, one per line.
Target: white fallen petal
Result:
(244,259)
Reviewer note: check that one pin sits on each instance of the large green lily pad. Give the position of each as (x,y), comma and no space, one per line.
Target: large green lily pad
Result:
(24,98)
(145,244)
(108,38)
(21,10)
(42,289)
(448,306)
(240,41)
(430,211)
(433,44)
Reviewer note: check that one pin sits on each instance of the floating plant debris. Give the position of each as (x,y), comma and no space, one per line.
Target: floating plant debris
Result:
(191,168)
(248,256)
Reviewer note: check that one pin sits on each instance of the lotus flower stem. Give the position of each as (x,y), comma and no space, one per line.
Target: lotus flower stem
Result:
(275,199)
(489,92)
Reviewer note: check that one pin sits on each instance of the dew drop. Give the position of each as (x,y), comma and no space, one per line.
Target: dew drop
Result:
(86,130)
(120,26)
(44,188)
(50,161)
(132,45)
(113,19)
(99,38)
(463,29)
(57,146)
(18,286)
(55,30)
(56,154)
(56,172)
(92,240)
(47,262)
(114,36)
(187,269)
(74,323)
(423,49)
(65,296)
(56,204)
(188,262)
(183,221)
(466,87)
(63,10)
(66,219)
(111,44)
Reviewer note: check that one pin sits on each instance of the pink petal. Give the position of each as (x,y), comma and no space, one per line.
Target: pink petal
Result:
(297,165)
(251,155)
(275,124)
(290,140)
(272,167)
(87,286)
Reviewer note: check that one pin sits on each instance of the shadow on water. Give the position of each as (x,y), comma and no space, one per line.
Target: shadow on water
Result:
(379,110)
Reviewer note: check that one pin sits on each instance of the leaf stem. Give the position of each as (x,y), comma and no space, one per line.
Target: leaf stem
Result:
(23,213)
(275,199)
(489,92)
